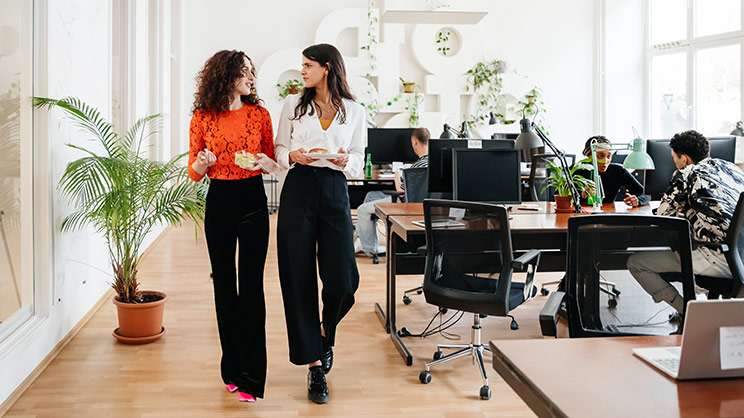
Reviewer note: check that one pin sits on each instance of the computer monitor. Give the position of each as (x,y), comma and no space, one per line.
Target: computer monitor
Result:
(657,180)
(390,144)
(440,158)
(501,135)
(486,175)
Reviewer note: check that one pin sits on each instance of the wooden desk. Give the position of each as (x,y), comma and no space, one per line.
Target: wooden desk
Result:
(360,186)
(542,229)
(600,377)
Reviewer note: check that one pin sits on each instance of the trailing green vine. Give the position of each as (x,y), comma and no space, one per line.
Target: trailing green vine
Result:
(443,41)
(485,81)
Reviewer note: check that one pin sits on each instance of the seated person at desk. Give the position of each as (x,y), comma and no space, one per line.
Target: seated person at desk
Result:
(613,175)
(366,229)
(705,191)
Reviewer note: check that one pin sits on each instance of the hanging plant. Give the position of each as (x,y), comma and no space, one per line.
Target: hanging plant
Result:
(485,81)
(531,104)
(413,106)
(443,37)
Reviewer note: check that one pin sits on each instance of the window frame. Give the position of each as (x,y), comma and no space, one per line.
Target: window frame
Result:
(691,45)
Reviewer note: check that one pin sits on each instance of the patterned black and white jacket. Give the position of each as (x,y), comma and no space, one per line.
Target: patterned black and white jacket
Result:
(706,194)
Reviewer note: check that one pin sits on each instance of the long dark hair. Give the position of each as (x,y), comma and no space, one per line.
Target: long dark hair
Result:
(328,56)
(215,83)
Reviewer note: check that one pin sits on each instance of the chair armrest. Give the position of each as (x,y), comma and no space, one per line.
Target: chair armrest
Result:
(394,194)
(527,258)
(712,245)
(549,314)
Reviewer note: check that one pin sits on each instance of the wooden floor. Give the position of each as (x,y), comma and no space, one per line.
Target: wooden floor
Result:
(178,376)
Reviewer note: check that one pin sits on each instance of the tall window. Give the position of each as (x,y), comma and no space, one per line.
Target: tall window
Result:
(694,61)
(16,209)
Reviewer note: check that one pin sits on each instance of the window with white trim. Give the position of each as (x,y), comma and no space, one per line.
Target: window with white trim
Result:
(694,66)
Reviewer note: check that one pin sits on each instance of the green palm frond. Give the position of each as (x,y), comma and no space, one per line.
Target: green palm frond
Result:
(122,194)
(557,178)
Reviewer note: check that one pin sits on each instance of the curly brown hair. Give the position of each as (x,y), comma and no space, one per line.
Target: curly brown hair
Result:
(215,83)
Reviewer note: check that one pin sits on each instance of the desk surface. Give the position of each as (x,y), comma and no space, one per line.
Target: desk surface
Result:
(542,221)
(592,377)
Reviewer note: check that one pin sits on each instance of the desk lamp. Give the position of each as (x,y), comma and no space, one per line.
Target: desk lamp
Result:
(452,133)
(636,160)
(529,139)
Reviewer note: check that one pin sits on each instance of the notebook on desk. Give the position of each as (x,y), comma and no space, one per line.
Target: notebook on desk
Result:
(712,343)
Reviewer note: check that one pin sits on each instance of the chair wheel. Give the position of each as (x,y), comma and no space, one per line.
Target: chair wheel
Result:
(418,292)
(375,259)
(425,377)
(514,326)
(616,291)
(612,302)
(544,291)
(438,354)
(485,393)
(407,300)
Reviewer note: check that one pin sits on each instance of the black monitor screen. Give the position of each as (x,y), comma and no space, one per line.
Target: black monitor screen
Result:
(657,180)
(440,158)
(487,175)
(388,144)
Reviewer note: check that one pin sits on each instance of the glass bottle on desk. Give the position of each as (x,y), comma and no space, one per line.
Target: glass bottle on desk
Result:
(368,167)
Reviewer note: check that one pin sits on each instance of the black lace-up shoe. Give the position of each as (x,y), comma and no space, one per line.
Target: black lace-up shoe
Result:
(317,389)
(327,360)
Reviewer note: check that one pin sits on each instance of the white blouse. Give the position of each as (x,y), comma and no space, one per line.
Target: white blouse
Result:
(308,134)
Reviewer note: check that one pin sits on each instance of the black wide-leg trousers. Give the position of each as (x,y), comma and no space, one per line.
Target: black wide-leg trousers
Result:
(315,223)
(236,212)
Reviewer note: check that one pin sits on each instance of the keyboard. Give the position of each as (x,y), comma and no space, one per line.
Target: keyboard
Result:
(671,364)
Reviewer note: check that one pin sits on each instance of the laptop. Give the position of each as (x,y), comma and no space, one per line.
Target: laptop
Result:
(699,356)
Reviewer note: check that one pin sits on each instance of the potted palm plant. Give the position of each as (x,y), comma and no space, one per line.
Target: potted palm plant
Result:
(558,180)
(124,195)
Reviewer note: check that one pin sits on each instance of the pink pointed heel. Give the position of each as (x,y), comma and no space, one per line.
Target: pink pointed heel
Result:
(246,397)
(231,388)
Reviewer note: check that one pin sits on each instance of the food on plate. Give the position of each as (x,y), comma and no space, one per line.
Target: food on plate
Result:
(245,160)
(318,151)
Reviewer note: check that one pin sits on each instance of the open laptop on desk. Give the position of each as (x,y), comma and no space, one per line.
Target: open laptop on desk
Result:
(699,356)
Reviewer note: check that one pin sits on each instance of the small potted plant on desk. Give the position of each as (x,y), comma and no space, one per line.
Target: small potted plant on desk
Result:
(123,195)
(557,179)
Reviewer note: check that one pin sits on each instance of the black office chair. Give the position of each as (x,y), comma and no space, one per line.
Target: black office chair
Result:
(469,265)
(415,180)
(733,249)
(598,243)
(538,176)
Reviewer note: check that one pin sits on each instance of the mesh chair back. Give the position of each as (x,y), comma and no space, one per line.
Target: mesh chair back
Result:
(469,257)
(539,173)
(414,180)
(600,244)
(735,254)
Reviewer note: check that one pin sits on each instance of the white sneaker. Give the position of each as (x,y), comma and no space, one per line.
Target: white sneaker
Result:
(357,245)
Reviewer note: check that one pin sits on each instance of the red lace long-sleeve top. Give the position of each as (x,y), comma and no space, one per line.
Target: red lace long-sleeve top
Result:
(248,128)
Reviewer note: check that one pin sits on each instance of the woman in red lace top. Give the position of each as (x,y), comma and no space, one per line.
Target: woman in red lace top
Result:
(227,118)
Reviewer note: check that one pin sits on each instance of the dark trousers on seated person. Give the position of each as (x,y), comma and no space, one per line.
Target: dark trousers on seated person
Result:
(646,266)
(315,219)
(236,213)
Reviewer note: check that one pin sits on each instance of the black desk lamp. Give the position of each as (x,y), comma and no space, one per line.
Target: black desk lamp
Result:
(452,133)
(739,130)
(529,139)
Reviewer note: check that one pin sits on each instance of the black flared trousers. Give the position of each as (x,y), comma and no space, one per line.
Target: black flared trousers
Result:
(315,223)
(236,213)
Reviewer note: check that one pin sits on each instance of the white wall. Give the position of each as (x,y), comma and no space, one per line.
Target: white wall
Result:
(552,43)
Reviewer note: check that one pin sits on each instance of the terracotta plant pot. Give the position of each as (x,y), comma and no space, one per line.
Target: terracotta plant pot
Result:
(563,204)
(140,323)
(409,87)
(293,89)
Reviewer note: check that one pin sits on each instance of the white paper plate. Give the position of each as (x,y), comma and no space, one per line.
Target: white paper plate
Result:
(323,155)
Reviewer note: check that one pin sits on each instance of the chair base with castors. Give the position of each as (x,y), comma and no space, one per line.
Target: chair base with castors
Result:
(609,288)
(476,349)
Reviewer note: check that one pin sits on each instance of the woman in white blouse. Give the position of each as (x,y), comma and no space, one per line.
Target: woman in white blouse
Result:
(314,215)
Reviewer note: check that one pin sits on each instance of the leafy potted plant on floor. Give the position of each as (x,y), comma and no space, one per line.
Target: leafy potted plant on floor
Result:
(124,195)
(557,179)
